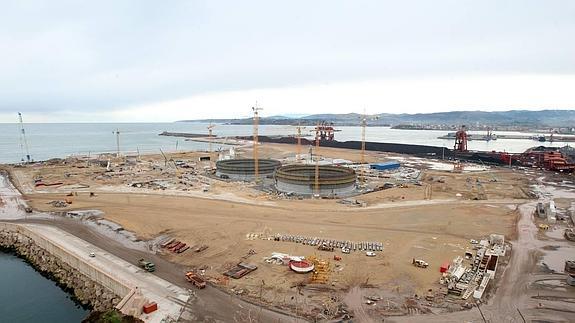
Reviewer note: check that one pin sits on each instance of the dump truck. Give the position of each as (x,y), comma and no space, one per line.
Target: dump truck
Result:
(147,265)
(195,279)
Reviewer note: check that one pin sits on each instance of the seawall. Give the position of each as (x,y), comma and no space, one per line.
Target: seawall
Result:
(89,285)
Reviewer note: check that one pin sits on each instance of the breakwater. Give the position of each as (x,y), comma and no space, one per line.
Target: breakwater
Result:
(88,285)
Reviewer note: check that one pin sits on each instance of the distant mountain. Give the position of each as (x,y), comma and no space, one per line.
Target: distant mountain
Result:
(519,118)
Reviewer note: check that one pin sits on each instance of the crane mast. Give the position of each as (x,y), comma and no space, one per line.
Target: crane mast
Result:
(23,142)
(210,132)
(363,125)
(316,182)
(256,110)
(298,155)
(117,133)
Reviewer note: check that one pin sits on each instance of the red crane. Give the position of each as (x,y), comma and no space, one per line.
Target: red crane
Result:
(461,140)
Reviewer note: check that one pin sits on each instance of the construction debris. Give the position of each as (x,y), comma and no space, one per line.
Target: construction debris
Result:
(240,270)
(331,244)
(466,281)
(58,203)
(175,246)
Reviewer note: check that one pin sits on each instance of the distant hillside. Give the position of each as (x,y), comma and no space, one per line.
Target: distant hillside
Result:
(524,118)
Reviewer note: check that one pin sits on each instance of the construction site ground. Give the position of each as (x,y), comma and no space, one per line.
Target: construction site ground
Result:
(231,217)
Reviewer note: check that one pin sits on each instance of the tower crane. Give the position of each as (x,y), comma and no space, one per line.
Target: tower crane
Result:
(23,142)
(117,133)
(299,129)
(317,139)
(256,110)
(363,126)
(210,129)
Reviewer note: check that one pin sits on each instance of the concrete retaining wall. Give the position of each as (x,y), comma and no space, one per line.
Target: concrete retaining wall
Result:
(309,189)
(90,285)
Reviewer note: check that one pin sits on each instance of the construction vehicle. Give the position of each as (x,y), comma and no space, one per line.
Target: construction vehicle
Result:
(543,226)
(419,263)
(325,247)
(193,278)
(147,265)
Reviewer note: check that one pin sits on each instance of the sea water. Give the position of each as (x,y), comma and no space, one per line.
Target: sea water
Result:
(50,140)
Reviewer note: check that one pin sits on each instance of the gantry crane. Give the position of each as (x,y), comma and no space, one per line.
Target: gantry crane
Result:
(23,141)
(461,140)
(256,109)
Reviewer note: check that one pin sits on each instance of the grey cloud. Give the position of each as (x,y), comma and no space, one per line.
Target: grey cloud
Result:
(61,55)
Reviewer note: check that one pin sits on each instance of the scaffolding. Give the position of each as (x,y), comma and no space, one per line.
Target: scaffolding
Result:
(320,274)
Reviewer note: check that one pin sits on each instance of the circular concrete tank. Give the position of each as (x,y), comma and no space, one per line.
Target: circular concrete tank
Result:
(244,169)
(300,179)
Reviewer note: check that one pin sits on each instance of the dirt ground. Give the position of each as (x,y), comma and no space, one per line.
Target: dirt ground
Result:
(410,226)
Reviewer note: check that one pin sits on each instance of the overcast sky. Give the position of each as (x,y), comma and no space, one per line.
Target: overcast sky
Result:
(67,61)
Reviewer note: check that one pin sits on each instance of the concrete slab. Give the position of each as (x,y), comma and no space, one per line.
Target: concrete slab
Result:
(168,296)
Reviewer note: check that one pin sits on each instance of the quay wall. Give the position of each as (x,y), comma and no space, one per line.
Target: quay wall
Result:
(90,285)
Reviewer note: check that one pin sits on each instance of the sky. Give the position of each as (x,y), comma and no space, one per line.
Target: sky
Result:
(151,61)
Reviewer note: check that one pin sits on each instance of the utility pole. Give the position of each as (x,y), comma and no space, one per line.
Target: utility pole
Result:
(255,140)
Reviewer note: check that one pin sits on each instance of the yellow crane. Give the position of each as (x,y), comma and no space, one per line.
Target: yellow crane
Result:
(317,137)
(117,133)
(363,126)
(298,151)
(256,110)
(210,131)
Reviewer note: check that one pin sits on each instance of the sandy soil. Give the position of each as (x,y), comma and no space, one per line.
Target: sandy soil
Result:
(435,230)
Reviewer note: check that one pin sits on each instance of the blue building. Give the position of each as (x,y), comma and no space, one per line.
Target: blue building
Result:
(385,166)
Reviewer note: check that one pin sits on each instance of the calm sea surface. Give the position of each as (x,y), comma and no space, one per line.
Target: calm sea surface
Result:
(61,140)
(26,296)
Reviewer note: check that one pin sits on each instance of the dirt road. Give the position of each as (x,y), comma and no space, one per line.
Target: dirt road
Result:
(516,298)
(209,305)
